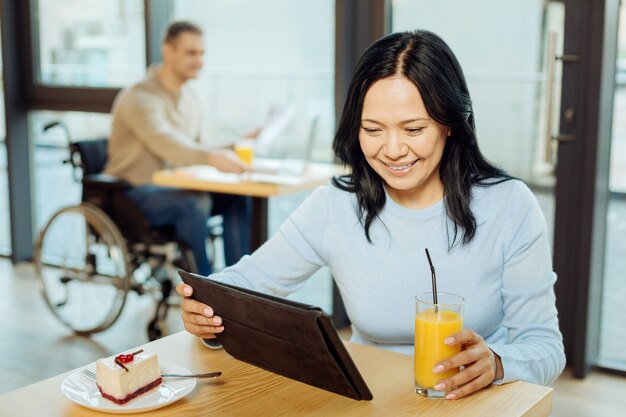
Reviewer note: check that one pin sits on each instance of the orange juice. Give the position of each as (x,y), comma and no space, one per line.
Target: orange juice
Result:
(431,329)
(245,153)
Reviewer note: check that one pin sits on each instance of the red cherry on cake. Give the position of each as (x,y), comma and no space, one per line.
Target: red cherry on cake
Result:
(125,358)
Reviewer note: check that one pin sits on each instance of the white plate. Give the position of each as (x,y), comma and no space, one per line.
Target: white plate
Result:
(83,391)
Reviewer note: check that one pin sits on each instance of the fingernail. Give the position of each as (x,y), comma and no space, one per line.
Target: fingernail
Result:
(207,312)
(438,368)
(449,340)
(217,322)
(450,396)
(440,386)
(187,291)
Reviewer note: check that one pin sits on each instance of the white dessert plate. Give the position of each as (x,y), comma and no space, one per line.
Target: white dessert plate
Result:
(83,391)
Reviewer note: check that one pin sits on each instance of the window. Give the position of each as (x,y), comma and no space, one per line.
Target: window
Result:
(54,181)
(91,43)
(260,54)
(5,231)
(613,328)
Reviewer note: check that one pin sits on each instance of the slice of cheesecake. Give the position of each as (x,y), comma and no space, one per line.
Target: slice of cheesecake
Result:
(124,377)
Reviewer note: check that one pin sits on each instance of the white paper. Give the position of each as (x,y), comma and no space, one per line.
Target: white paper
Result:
(277,120)
(210,174)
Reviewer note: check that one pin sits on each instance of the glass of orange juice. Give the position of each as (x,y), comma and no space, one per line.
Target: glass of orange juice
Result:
(433,324)
(245,151)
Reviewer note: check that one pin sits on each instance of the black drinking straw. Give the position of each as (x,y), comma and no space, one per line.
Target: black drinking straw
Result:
(433,277)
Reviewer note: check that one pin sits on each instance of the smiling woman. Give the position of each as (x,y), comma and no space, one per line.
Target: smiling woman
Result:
(418,180)
(418,81)
(402,143)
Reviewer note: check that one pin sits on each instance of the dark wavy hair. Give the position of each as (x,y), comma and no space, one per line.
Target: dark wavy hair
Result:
(426,60)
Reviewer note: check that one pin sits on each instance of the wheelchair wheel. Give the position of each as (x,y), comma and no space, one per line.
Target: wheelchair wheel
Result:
(82,263)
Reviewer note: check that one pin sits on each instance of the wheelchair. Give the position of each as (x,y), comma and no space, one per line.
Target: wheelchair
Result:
(88,257)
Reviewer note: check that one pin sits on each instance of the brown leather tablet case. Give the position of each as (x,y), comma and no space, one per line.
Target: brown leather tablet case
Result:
(292,339)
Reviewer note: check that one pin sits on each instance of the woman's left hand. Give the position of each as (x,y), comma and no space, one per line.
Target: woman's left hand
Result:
(482,365)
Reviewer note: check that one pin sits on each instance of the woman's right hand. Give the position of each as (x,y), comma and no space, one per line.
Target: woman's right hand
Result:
(198,318)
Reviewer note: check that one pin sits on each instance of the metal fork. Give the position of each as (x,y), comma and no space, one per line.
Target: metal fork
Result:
(89,374)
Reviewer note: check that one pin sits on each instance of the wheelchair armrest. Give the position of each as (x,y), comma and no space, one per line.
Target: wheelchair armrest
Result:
(105,181)
(100,189)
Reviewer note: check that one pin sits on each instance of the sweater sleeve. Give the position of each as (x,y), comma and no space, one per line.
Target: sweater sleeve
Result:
(284,262)
(534,349)
(146,116)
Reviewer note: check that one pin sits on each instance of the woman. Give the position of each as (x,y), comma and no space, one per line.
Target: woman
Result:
(418,181)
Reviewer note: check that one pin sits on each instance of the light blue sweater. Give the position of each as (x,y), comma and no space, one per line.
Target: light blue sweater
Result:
(504,274)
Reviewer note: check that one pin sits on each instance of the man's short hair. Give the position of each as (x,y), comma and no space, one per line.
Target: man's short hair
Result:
(174,29)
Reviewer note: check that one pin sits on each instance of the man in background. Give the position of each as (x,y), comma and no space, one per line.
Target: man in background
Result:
(156,125)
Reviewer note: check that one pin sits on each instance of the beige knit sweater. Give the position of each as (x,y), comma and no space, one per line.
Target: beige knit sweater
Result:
(153,129)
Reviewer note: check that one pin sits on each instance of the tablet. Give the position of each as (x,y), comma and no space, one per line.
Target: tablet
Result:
(292,339)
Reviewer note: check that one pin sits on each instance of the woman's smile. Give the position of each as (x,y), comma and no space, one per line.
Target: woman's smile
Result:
(399,168)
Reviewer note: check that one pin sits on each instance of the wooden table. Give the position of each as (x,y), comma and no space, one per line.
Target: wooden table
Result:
(259,186)
(244,390)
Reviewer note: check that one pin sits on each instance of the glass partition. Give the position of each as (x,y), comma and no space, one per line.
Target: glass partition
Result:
(263,55)
(5,231)
(55,186)
(613,330)
(89,43)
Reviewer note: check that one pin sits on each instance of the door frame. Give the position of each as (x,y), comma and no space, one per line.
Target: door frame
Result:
(582,175)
